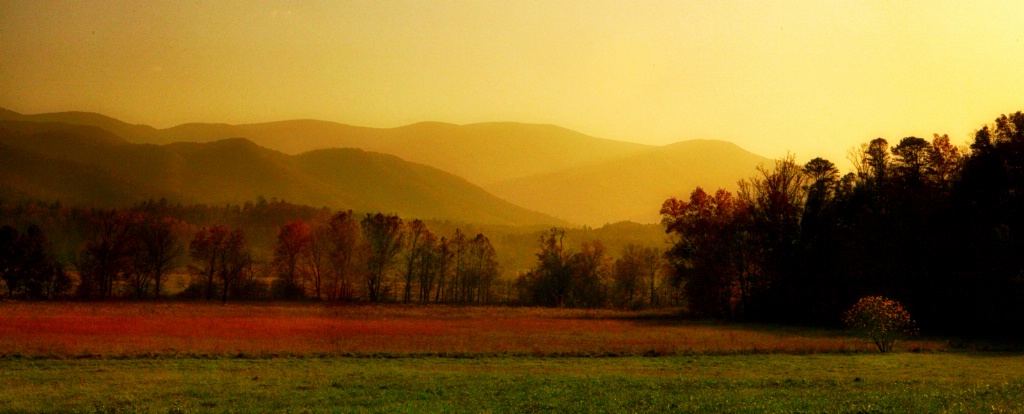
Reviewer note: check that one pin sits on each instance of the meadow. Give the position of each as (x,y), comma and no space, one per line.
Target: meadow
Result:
(272,357)
(127,329)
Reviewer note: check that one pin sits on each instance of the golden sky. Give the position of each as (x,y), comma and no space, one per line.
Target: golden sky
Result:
(812,77)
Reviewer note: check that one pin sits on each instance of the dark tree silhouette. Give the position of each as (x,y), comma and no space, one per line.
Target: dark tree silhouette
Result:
(416,235)
(710,255)
(27,265)
(316,260)
(293,241)
(158,247)
(636,274)
(219,260)
(235,259)
(205,250)
(10,259)
(427,266)
(442,257)
(347,245)
(482,269)
(384,239)
(104,259)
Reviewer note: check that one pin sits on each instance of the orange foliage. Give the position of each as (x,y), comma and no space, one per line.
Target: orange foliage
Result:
(172,329)
(880,319)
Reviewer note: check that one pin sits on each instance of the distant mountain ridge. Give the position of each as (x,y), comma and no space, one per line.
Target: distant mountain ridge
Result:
(481,153)
(89,165)
(559,172)
(634,187)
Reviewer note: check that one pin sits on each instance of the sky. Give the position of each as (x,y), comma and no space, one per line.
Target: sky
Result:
(813,78)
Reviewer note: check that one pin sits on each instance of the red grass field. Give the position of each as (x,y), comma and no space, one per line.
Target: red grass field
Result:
(173,329)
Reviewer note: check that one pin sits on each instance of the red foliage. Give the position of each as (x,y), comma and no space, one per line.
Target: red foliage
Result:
(132,329)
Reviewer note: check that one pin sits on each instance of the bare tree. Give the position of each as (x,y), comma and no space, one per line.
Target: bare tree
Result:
(235,260)
(443,257)
(105,256)
(159,247)
(384,238)
(316,259)
(417,232)
(347,244)
(292,242)
(428,266)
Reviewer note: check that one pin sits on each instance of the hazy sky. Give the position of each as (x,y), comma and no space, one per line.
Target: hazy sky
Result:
(812,77)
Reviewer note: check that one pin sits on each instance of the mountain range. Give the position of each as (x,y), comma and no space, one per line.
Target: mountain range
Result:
(544,168)
(85,165)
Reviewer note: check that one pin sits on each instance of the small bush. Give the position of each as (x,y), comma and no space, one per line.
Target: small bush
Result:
(881,320)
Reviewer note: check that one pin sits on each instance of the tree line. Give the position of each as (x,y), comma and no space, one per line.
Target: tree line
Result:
(937,227)
(274,250)
(590,278)
(131,254)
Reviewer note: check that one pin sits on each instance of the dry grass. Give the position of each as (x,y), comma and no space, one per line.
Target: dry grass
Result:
(170,329)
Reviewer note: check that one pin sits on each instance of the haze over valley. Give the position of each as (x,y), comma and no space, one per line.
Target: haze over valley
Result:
(558,175)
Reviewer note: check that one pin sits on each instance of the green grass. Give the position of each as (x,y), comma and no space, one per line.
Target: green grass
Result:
(899,382)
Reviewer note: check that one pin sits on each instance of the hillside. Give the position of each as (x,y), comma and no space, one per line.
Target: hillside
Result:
(89,165)
(482,153)
(559,172)
(632,188)
(132,132)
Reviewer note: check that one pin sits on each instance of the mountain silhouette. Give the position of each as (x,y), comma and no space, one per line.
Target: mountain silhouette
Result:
(482,153)
(632,188)
(92,166)
(559,172)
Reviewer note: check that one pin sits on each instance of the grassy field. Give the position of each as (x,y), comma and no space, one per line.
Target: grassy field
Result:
(901,382)
(160,329)
(182,357)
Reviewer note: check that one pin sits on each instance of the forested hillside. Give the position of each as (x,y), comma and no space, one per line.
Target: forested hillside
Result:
(562,173)
(91,166)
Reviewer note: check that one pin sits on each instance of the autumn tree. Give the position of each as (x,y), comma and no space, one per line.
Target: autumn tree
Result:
(943,162)
(711,254)
(27,265)
(550,281)
(432,262)
(384,239)
(416,234)
(881,320)
(876,157)
(105,256)
(481,270)
(911,159)
(589,270)
(234,262)
(824,179)
(317,265)
(346,238)
(205,252)
(158,247)
(635,274)
(459,249)
(44,276)
(442,258)
(293,241)
(774,200)
(220,259)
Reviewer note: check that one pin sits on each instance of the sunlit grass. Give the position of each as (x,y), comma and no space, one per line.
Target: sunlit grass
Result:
(865,382)
(275,329)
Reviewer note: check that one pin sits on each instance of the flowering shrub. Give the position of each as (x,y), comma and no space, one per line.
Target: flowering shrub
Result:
(880,319)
